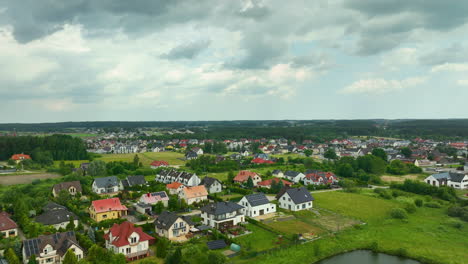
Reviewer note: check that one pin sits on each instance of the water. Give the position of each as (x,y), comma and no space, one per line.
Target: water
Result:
(366,257)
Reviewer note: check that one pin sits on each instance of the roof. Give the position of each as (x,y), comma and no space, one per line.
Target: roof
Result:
(195,191)
(55,214)
(20,157)
(244,175)
(221,208)
(66,185)
(191,154)
(6,223)
(277,180)
(153,198)
(261,161)
(216,244)
(105,182)
(208,181)
(158,163)
(106,205)
(290,173)
(121,234)
(299,195)
(257,199)
(59,241)
(174,185)
(166,219)
(134,181)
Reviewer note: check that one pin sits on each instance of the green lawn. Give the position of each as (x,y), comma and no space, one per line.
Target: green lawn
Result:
(295,226)
(259,240)
(421,235)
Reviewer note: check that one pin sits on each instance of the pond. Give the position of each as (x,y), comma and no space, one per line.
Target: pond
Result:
(366,257)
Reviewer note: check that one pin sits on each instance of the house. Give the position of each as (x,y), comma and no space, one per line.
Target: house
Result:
(154,198)
(267,183)
(295,199)
(191,155)
(57,216)
(424,163)
(243,176)
(107,209)
(172,226)
(107,185)
(84,167)
(128,240)
(244,153)
(170,176)
(213,185)
(451,179)
(222,214)
(261,161)
(316,177)
(8,227)
(143,208)
(175,187)
(256,204)
(158,164)
(278,173)
(294,176)
(194,194)
(132,181)
(197,150)
(51,248)
(72,187)
(20,157)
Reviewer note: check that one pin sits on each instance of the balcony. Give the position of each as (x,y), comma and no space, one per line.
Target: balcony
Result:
(137,255)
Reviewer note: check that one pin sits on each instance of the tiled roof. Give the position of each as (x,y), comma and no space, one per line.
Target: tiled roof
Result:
(5,222)
(121,234)
(195,191)
(66,185)
(158,163)
(244,175)
(20,157)
(106,205)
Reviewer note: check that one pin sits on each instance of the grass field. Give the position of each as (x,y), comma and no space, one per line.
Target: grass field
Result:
(174,158)
(295,226)
(259,240)
(26,178)
(420,236)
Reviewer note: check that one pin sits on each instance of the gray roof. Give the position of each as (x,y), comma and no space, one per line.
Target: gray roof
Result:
(216,244)
(299,195)
(106,182)
(452,176)
(291,173)
(191,154)
(208,181)
(276,171)
(257,199)
(59,241)
(134,181)
(66,185)
(55,214)
(220,208)
(166,219)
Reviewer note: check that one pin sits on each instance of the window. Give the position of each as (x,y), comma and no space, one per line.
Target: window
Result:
(129,250)
(175,225)
(133,240)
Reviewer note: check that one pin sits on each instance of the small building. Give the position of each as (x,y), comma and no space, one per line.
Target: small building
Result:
(72,187)
(57,216)
(51,248)
(197,150)
(191,155)
(295,199)
(452,179)
(267,183)
(243,176)
(316,177)
(424,163)
(294,176)
(158,164)
(107,185)
(213,185)
(20,157)
(175,188)
(8,227)
(155,197)
(172,226)
(132,181)
(194,194)
(170,176)
(143,208)
(222,215)
(128,240)
(256,204)
(107,209)
(278,173)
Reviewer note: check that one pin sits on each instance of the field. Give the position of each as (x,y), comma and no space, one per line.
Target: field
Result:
(259,240)
(25,178)
(146,158)
(419,237)
(295,226)
(402,178)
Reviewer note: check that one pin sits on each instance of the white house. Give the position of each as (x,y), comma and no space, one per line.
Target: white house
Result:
(51,248)
(451,179)
(256,204)
(172,226)
(295,199)
(294,176)
(194,194)
(170,176)
(222,214)
(128,240)
(57,216)
(107,185)
(212,185)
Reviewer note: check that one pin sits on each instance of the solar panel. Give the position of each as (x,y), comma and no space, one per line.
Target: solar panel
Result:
(216,244)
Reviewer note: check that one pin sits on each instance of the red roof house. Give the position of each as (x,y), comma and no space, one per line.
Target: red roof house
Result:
(159,163)
(261,161)
(128,240)
(8,227)
(20,157)
(244,175)
(267,183)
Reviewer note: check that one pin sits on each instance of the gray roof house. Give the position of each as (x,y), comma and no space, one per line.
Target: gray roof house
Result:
(136,180)
(172,226)
(56,215)
(295,199)
(222,214)
(212,185)
(257,204)
(54,246)
(107,185)
(452,179)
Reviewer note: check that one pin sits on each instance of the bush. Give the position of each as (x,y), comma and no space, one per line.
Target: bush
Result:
(418,202)
(455,224)
(398,213)
(383,193)
(401,252)
(374,246)
(410,208)
(432,205)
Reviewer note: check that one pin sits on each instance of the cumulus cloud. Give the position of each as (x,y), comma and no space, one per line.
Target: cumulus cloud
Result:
(187,50)
(380,86)
(451,67)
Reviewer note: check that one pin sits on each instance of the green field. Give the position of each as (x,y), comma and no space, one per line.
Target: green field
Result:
(259,240)
(174,158)
(420,237)
(295,226)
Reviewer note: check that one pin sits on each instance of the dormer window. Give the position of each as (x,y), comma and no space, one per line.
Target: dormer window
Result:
(133,240)
(48,249)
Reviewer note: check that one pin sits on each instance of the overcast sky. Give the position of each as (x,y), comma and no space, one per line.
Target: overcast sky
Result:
(87,60)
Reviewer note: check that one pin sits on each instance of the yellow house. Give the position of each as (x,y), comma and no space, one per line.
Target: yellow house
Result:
(105,209)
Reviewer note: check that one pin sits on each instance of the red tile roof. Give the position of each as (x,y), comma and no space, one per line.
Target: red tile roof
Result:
(276,180)
(262,161)
(244,175)
(6,223)
(106,205)
(174,185)
(20,157)
(121,234)
(158,163)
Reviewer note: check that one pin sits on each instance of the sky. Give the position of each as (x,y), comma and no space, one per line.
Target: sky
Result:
(150,60)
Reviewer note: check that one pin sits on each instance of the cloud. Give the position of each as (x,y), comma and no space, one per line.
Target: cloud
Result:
(455,53)
(187,50)
(380,86)
(462,82)
(450,67)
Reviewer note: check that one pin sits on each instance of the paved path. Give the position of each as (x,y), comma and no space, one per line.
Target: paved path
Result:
(327,190)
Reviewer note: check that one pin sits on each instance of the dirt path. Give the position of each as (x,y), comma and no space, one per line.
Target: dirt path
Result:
(26,178)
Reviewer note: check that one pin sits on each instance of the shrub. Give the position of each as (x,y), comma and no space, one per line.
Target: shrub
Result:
(418,202)
(432,205)
(410,208)
(374,246)
(401,252)
(383,193)
(455,224)
(398,213)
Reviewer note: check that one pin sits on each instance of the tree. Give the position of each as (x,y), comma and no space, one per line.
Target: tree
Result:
(11,257)
(308,152)
(250,183)
(70,258)
(97,168)
(158,207)
(71,224)
(406,151)
(216,258)
(378,152)
(91,235)
(136,160)
(174,258)
(32,259)
(230,176)
(161,248)
(330,154)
